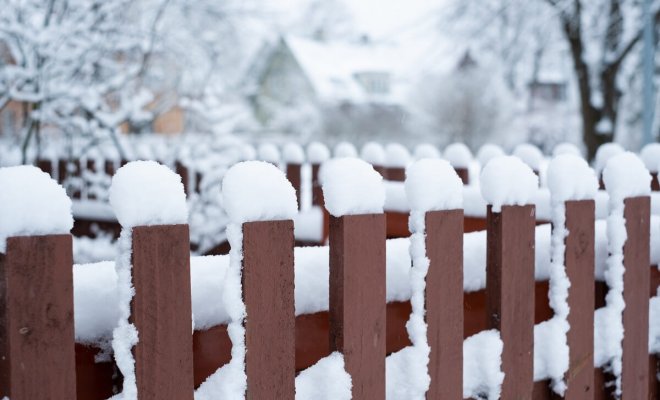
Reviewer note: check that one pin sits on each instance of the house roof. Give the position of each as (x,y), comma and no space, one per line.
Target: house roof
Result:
(331,67)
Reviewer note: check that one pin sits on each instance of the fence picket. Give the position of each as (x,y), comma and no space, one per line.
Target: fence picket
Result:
(444,303)
(293,174)
(579,261)
(358,300)
(37,355)
(636,253)
(510,294)
(162,312)
(268,293)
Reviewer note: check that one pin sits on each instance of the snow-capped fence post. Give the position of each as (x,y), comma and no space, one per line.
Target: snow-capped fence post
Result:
(294,157)
(317,153)
(261,204)
(354,196)
(37,356)
(573,186)
(508,186)
(460,157)
(154,259)
(435,195)
(397,157)
(628,183)
(374,154)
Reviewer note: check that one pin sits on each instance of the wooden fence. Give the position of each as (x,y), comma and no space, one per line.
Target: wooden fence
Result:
(39,360)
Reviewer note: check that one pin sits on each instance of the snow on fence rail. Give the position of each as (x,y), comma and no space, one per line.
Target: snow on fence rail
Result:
(153,341)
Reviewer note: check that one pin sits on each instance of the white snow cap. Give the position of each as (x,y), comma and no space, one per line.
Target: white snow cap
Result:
(458,155)
(352,186)
(626,176)
(373,153)
(345,149)
(293,153)
(257,191)
(508,181)
(571,178)
(650,154)
(396,156)
(317,153)
(432,184)
(269,152)
(566,148)
(426,150)
(604,153)
(530,155)
(148,193)
(487,152)
(32,204)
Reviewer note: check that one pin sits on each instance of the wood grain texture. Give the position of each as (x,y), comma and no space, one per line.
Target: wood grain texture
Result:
(444,303)
(293,174)
(268,293)
(579,260)
(358,301)
(37,352)
(162,312)
(636,260)
(510,294)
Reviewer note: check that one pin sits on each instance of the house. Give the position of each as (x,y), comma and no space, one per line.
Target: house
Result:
(331,88)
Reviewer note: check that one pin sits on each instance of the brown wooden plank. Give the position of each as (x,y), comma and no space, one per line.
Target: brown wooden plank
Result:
(37,353)
(464,174)
(636,260)
(579,260)
(444,303)
(397,225)
(184,173)
(357,300)
(294,176)
(268,292)
(510,294)
(317,189)
(162,313)
(211,350)
(655,184)
(95,380)
(46,166)
(396,174)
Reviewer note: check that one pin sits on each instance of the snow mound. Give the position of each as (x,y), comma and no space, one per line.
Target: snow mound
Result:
(317,153)
(345,149)
(32,204)
(530,155)
(426,150)
(373,153)
(458,155)
(351,186)
(432,184)
(650,154)
(626,176)
(487,152)
(566,148)
(482,360)
(508,181)
(571,178)
(293,153)
(396,156)
(327,379)
(148,193)
(604,153)
(258,191)
(269,152)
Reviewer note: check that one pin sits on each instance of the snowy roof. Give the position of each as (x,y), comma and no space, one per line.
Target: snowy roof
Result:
(334,68)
